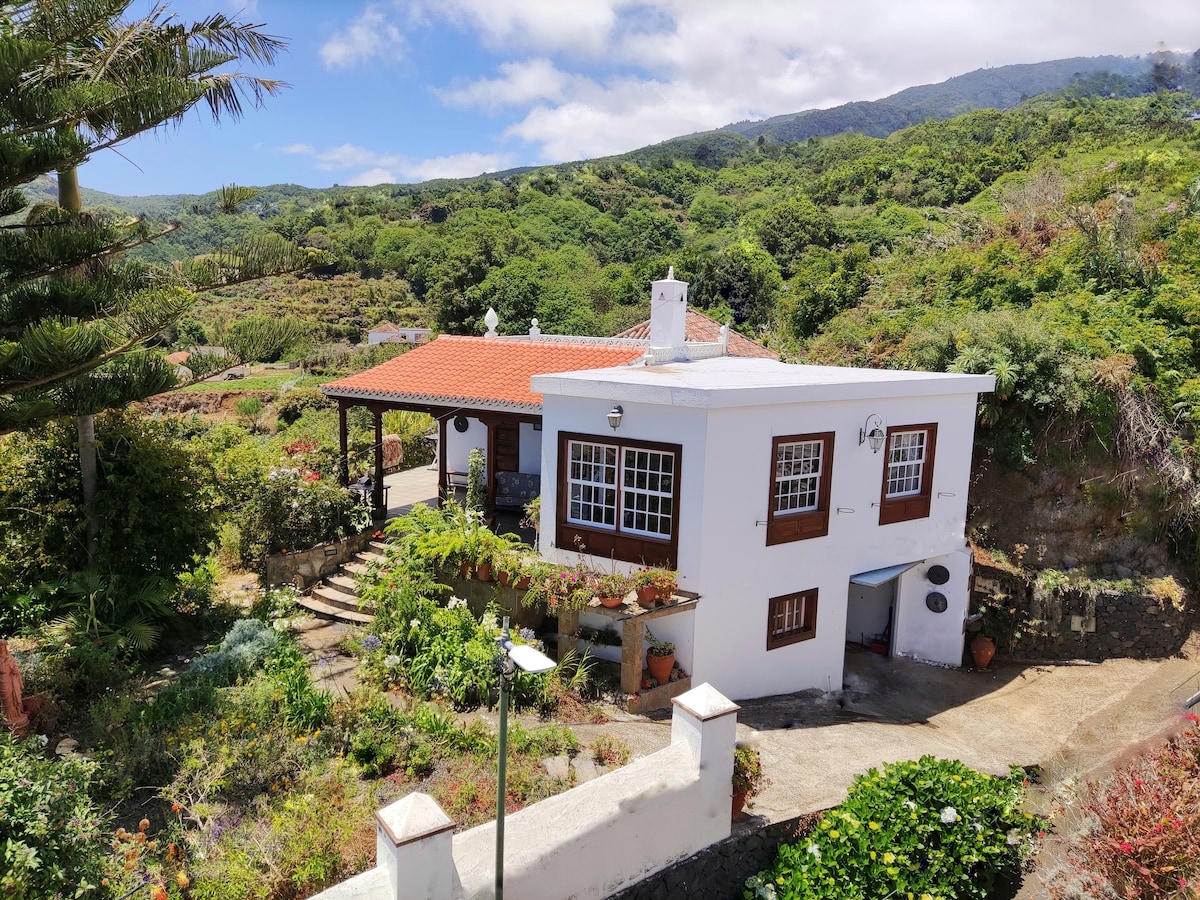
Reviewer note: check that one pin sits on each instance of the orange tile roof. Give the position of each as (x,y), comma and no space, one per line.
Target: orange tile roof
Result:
(479,372)
(386,328)
(699,327)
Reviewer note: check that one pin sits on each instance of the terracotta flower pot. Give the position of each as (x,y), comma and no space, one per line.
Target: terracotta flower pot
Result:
(611,602)
(660,667)
(647,595)
(522,583)
(983,648)
(483,571)
(739,801)
(464,569)
(504,577)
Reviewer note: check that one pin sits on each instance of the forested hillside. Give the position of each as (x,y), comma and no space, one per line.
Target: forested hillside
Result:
(1055,245)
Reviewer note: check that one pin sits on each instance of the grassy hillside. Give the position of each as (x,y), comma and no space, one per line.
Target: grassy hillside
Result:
(1055,245)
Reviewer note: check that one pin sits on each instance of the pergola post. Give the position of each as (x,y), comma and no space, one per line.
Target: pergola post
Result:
(343,445)
(377,503)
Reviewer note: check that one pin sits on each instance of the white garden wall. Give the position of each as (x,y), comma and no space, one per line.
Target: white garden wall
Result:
(588,842)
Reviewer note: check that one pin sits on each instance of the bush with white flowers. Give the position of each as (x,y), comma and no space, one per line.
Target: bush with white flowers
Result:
(930,829)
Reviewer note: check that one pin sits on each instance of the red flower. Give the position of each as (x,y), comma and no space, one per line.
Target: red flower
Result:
(1193,717)
(1126,847)
(1138,782)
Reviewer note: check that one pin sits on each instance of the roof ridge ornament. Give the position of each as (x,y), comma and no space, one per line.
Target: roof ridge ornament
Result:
(491,320)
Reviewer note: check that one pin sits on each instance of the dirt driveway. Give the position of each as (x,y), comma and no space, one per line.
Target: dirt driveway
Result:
(1069,719)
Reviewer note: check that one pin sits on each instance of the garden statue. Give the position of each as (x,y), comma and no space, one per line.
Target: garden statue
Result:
(11,687)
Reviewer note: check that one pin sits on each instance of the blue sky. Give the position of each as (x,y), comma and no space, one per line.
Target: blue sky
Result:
(400,91)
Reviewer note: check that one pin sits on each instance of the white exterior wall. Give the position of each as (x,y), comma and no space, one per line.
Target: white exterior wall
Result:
(460,444)
(723,556)
(925,635)
(529,450)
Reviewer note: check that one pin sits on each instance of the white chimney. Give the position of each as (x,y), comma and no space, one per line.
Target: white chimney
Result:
(668,312)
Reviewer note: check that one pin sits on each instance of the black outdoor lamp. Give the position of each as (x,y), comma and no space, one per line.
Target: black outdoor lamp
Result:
(614,416)
(872,434)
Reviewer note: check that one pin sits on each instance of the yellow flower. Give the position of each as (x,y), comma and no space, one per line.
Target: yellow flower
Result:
(874,826)
(889,858)
(834,833)
(892,870)
(302,740)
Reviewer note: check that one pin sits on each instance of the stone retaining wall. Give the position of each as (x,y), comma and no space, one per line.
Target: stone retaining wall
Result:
(304,568)
(720,871)
(1092,623)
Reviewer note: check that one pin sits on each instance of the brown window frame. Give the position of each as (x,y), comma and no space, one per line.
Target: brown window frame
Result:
(776,607)
(909,507)
(784,527)
(615,543)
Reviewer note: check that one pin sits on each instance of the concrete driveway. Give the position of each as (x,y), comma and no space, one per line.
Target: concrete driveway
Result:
(1069,719)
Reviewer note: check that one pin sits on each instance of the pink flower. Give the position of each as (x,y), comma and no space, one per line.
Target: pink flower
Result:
(1193,717)
(1126,847)
(1138,782)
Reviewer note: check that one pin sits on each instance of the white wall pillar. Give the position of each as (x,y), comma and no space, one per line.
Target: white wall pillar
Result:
(413,845)
(706,721)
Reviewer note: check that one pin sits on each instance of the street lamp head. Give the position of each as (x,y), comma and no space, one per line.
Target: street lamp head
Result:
(874,436)
(529,659)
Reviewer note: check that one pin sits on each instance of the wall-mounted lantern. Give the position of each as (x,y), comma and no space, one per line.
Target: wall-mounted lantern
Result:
(614,416)
(872,433)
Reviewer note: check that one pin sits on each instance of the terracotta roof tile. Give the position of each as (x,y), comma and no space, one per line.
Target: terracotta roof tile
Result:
(699,327)
(478,372)
(386,328)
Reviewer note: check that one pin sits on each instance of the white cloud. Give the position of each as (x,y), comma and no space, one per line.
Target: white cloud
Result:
(396,168)
(519,83)
(370,37)
(621,75)
(575,27)
(372,177)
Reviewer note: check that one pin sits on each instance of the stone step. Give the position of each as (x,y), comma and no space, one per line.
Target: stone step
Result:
(331,596)
(379,546)
(325,611)
(368,556)
(347,584)
(356,568)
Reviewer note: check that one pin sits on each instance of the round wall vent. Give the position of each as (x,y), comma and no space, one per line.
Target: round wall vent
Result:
(461,424)
(938,574)
(936,601)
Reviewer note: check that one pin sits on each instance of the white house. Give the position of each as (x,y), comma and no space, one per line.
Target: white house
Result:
(389,333)
(805,505)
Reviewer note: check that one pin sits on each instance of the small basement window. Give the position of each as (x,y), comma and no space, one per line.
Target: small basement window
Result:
(791,618)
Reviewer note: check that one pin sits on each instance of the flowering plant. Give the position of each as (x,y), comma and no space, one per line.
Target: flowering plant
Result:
(929,827)
(747,770)
(663,580)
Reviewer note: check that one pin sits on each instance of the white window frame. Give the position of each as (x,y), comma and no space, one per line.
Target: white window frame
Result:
(594,484)
(900,457)
(653,496)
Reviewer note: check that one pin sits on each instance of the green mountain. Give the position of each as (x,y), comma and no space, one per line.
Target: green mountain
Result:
(993,88)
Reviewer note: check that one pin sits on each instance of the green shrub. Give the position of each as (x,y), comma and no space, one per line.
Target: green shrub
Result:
(246,646)
(931,828)
(50,830)
(288,512)
(292,405)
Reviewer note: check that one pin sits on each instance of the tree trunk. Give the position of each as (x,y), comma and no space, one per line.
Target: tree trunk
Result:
(85,427)
(69,198)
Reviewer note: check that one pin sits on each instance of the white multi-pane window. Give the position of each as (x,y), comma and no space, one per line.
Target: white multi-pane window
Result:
(603,477)
(592,484)
(648,485)
(906,463)
(798,476)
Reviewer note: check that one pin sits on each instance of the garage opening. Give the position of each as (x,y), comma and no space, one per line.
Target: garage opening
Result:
(871,608)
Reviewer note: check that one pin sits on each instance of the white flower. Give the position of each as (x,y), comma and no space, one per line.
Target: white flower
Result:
(1014,838)
(949,815)
(977,826)
(391,661)
(43,740)
(456,603)
(415,623)
(910,804)
(814,850)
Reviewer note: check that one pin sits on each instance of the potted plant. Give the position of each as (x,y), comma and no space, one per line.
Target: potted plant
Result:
(748,778)
(611,589)
(654,583)
(660,658)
